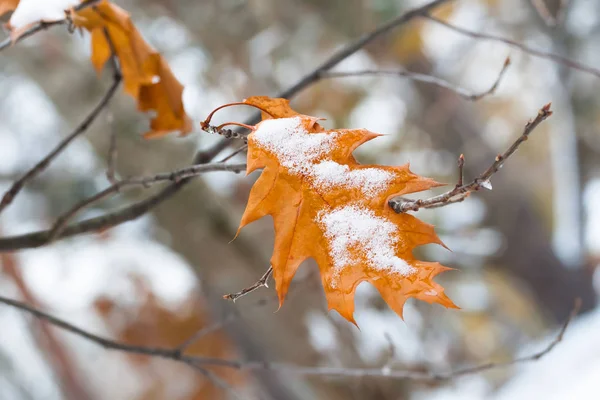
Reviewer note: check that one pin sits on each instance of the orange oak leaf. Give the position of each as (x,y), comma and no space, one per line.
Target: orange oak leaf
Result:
(327,206)
(146,75)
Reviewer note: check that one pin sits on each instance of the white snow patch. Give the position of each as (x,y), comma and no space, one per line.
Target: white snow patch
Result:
(371,181)
(30,11)
(298,151)
(353,227)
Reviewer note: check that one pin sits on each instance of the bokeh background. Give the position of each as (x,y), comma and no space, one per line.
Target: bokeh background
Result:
(522,251)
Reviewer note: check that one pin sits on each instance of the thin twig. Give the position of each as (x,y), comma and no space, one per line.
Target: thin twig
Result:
(145,181)
(226,133)
(460,192)
(204,332)
(542,10)
(235,153)
(92,225)
(562,11)
(526,49)
(461,167)
(217,381)
(112,150)
(111,168)
(45,162)
(415,76)
(43,25)
(355,46)
(531,357)
(258,284)
(198,361)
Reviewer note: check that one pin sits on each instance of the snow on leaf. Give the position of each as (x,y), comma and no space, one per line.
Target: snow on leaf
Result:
(327,206)
(32,11)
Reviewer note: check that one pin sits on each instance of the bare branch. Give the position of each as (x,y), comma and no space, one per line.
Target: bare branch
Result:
(218,382)
(111,169)
(461,167)
(364,40)
(415,76)
(188,172)
(567,62)
(529,358)
(205,331)
(177,354)
(235,153)
(106,221)
(43,25)
(561,14)
(461,191)
(226,133)
(260,283)
(112,150)
(542,10)
(45,162)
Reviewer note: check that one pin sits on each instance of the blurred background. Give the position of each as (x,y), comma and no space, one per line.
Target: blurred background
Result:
(522,251)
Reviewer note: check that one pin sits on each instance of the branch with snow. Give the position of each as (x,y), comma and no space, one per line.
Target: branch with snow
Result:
(462,191)
(33,16)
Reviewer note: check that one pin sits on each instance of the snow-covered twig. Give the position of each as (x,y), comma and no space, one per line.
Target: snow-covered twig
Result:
(43,25)
(462,191)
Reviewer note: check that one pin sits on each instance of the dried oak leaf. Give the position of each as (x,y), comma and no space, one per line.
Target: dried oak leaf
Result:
(327,206)
(146,75)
